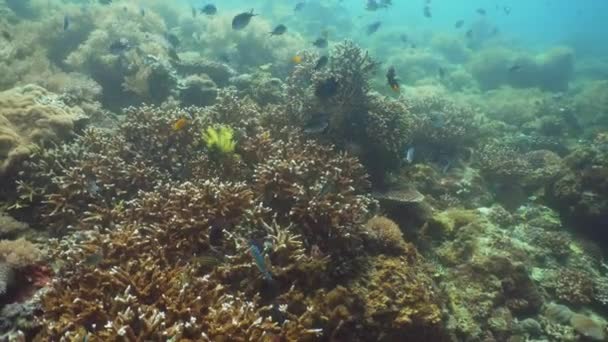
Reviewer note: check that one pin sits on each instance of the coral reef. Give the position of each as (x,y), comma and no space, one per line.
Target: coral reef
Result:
(268,191)
(153,183)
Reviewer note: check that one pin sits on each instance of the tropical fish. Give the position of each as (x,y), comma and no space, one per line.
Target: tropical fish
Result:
(326,88)
(437,119)
(193,12)
(427,12)
(173,54)
(209,9)
(515,68)
(172,39)
(441,72)
(320,43)
(481,11)
(180,124)
(120,46)
(507,10)
(391,77)
(259,260)
(299,6)
(321,62)
(318,123)
(403,37)
(459,24)
(469,33)
(105,2)
(66,22)
(372,5)
(279,30)
(409,155)
(373,27)
(240,21)
(297,59)
(7,36)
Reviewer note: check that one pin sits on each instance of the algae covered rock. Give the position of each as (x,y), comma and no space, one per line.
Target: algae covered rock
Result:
(32,117)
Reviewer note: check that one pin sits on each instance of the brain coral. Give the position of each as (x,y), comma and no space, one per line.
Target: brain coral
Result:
(31,116)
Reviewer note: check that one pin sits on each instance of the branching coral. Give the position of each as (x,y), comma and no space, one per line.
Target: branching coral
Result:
(165,235)
(356,116)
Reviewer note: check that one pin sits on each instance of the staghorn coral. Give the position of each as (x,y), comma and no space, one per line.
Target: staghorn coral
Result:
(307,183)
(30,118)
(163,235)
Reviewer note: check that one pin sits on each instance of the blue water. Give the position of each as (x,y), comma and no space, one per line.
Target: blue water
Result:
(534,24)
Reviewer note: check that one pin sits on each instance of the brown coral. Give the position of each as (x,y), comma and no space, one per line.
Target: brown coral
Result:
(30,116)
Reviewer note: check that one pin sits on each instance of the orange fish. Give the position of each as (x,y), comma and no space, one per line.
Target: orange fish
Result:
(296,59)
(180,124)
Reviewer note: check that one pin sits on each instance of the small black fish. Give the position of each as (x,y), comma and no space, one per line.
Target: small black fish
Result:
(209,9)
(326,88)
(392,80)
(318,124)
(120,46)
(172,39)
(240,21)
(216,231)
(142,11)
(403,37)
(373,27)
(427,12)
(105,2)
(372,5)
(459,24)
(507,10)
(437,119)
(224,58)
(279,30)
(481,11)
(441,72)
(299,6)
(321,62)
(320,43)
(515,68)
(173,55)
(66,22)
(469,33)
(413,46)
(193,12)
(7,36)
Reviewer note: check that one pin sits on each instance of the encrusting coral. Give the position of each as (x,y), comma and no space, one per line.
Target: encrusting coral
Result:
(31,117)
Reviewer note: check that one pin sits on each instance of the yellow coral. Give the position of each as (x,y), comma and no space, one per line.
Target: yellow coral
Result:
(386,231)
(220,139)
